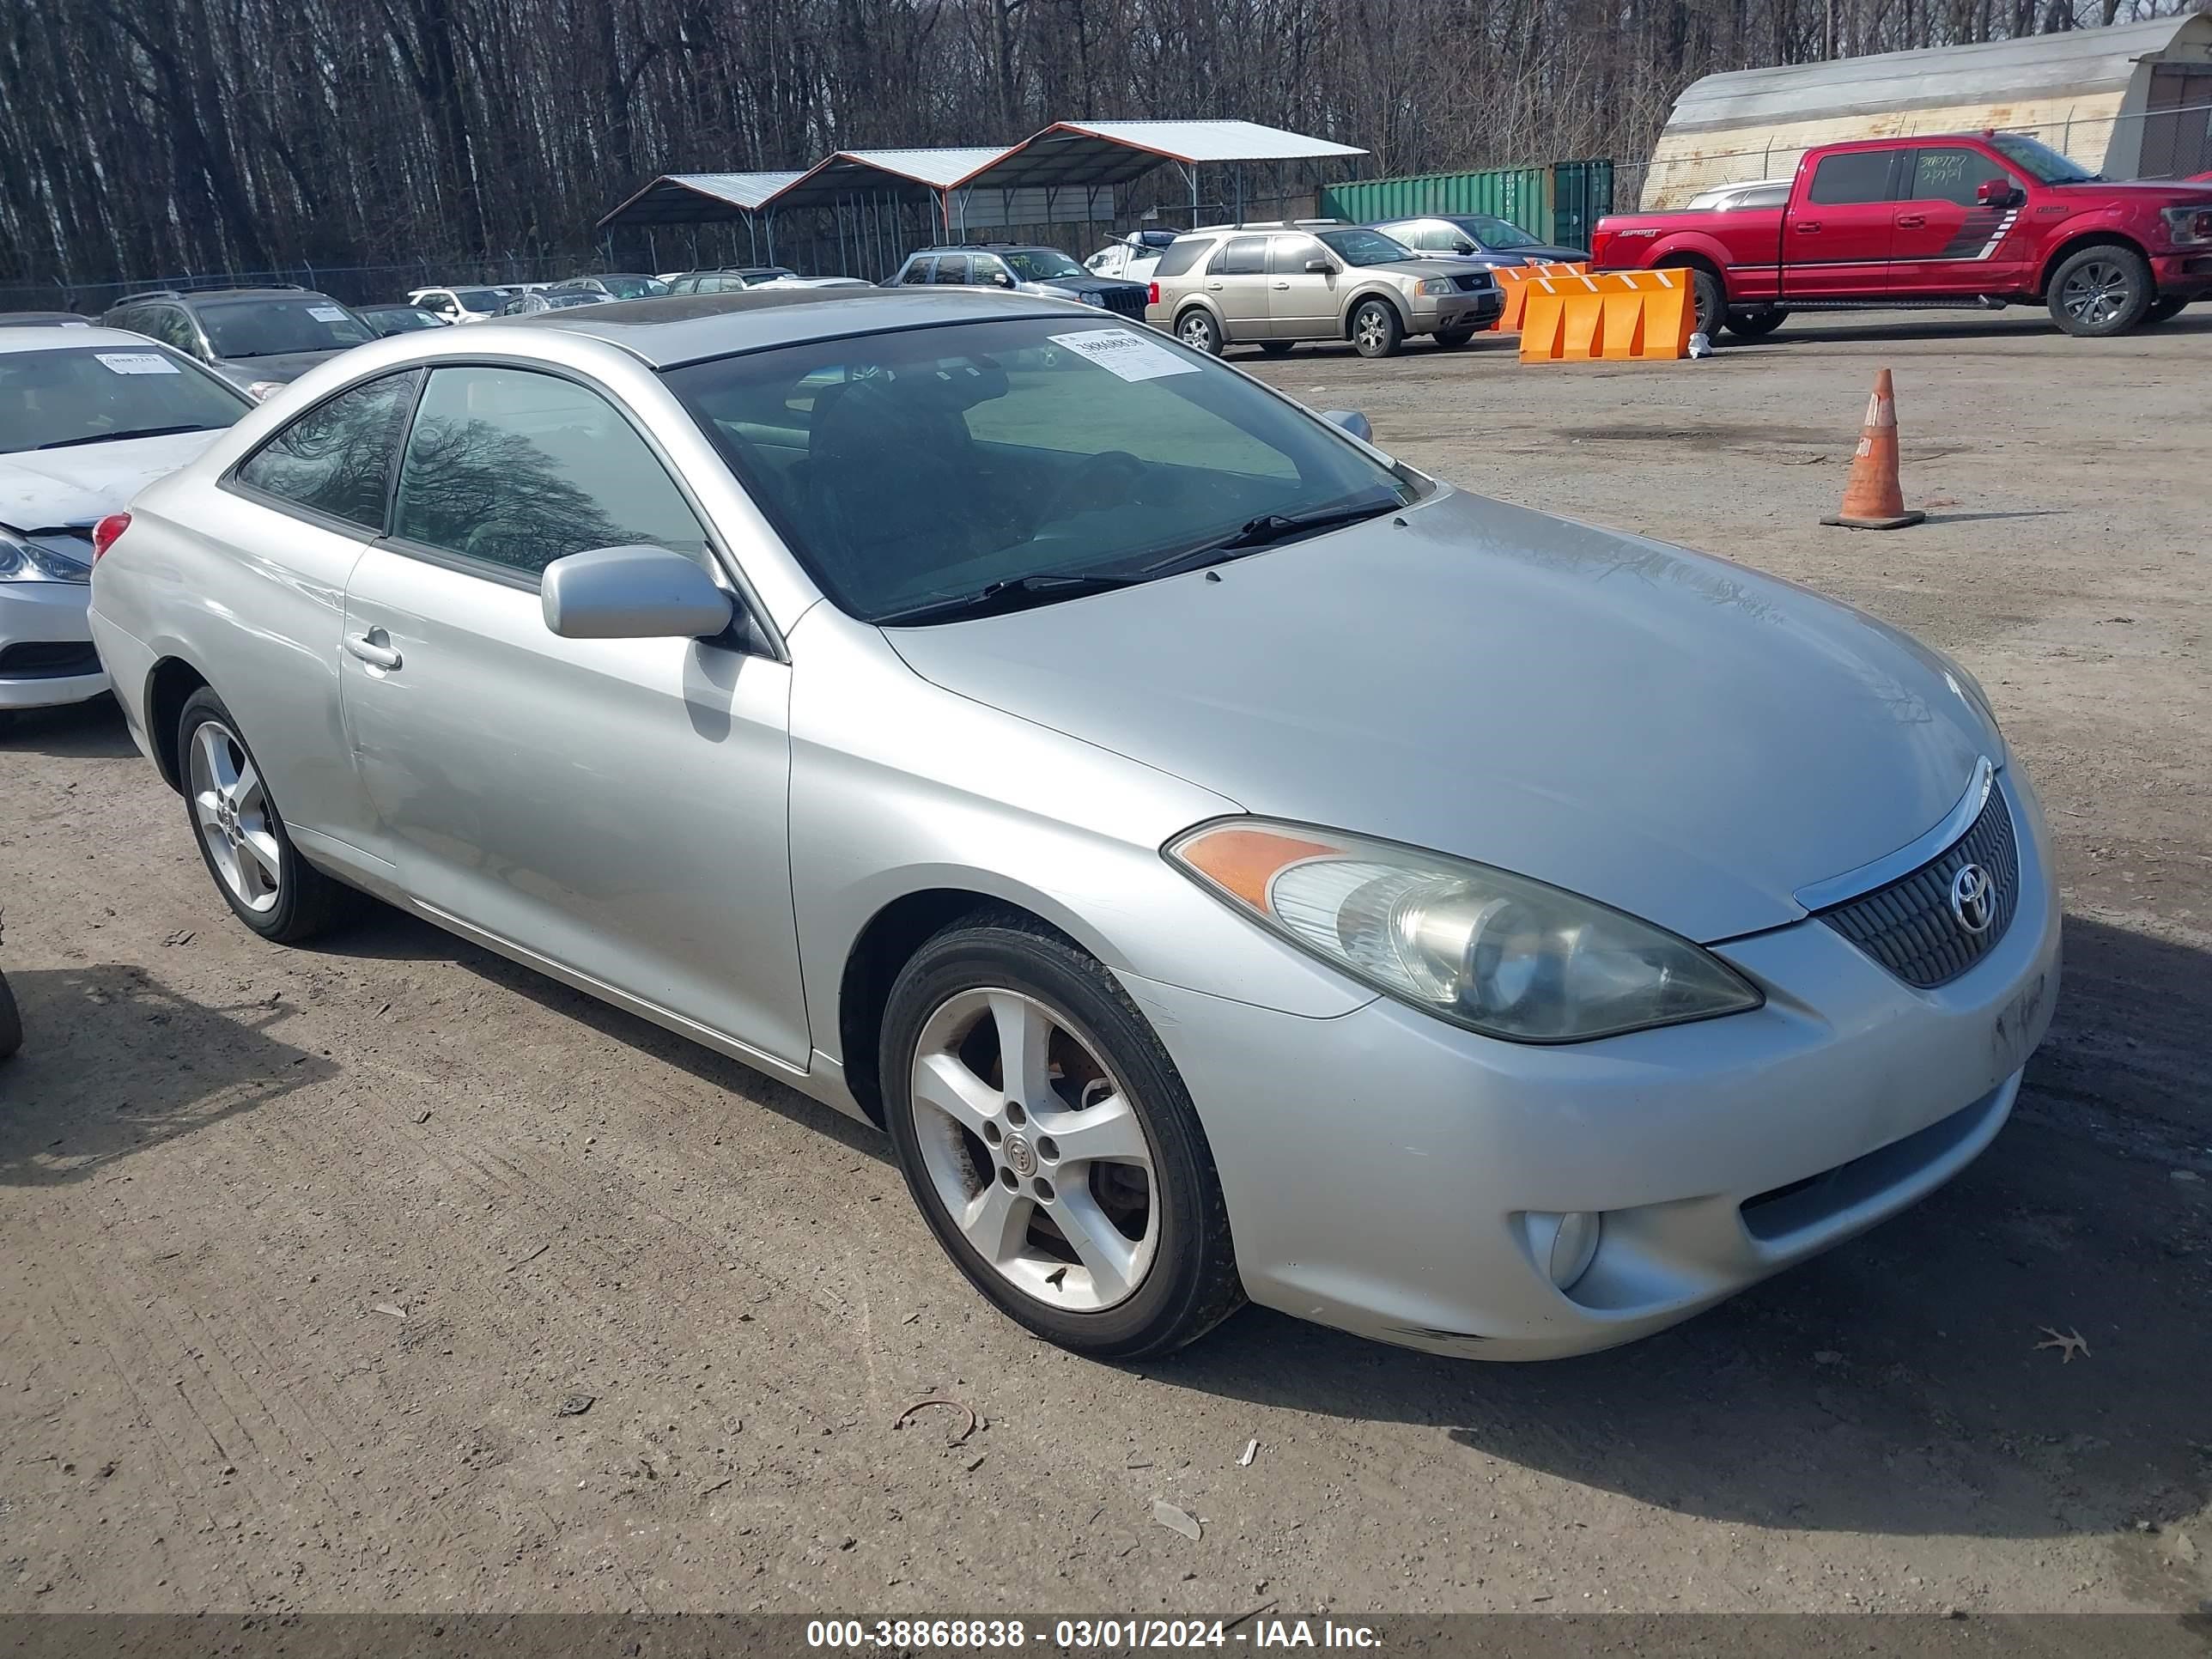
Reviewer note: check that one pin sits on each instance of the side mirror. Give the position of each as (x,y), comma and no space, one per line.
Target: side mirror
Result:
(1351,421)
(632,593)
(1464,248)
(1000,279)
(1997,192)
(1319,267)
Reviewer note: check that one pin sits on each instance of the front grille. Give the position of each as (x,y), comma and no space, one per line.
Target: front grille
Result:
(1475,282)
(1127,301)
(1909,927)
(45,659)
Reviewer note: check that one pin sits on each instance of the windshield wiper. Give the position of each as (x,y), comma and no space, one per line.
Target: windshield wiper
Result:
(1269,530)
(117,437)
(1015,593)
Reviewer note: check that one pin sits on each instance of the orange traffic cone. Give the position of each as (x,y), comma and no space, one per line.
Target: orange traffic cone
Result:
(1872,499)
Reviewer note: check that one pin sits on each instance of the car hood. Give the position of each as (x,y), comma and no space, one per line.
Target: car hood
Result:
(1442,265)
(2151,192)
(47,488)
(285,369)
(1541,253)
(1682,737)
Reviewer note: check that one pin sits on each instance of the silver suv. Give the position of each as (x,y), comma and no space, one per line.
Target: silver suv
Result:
(1275,284)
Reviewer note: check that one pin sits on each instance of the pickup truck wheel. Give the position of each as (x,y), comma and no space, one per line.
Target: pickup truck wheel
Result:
(2166,310)
(1754,324)
(1710,298)
(2100,291)
(1375,329)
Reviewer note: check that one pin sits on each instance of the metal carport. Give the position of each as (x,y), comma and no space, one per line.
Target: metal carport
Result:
(702,199)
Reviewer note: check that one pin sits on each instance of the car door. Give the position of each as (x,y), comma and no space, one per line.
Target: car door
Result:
(952,269)
(172,326)
(1237,280)
(1947,240)
(616,808)
(1838,238)
(1301,304)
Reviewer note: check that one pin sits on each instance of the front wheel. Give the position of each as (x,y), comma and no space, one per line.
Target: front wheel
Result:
(1375,329)
(2167,309)
(2100,291)
(1754,324)
(1051,1145)
(1196,328)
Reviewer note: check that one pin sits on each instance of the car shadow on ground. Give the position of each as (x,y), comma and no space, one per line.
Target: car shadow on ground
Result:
(1905,1382)
(113,1063)
(83,730)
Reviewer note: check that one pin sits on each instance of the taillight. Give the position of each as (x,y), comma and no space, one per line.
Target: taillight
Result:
(104,533)
(1152,294)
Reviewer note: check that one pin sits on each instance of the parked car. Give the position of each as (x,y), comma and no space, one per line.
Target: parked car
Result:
(1273,285)
(1020,268)
(1763,193)
(258,339)
(618,285)
(459,305)
(1570,954)
(726,281)
(1131,257)
(816,281)
(1483,236)
(1973,220)
(552,298)
(87,416)
(42,319)
(387,320)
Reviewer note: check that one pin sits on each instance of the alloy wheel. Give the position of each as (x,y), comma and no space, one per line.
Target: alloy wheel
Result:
(232,810)
(1034,1150)
(1373,332)
(1197,332)
(2096,292)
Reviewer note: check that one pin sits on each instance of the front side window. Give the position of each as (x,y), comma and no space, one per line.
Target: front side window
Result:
(913,470)
(918,273)
(1365,247)
(983,268)
(1852,177)
(1287,255)
(336,459)
(1946,173)
(61,399)
(1241,256)
(171,328)
(278,328)
(633,287)
(515,469)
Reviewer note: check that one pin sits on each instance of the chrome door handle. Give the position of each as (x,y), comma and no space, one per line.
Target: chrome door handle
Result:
(1910,221)
(1213,288)
(1282,285)
(1804,229)
(372,648)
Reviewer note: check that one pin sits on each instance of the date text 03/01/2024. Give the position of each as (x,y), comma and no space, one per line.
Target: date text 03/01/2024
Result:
(1078,1635)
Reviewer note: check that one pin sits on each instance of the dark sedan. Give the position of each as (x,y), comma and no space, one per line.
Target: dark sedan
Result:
(1479,236)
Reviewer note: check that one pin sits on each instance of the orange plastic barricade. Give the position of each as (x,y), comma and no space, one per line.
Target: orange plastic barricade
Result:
(1607,315)
(1515,279)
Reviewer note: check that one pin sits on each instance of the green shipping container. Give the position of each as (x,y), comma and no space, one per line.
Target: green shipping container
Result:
(1582,194)
(1521,195)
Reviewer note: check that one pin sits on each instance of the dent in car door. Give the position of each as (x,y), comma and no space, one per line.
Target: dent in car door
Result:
(1835,240)
(617,806)
(1301,304)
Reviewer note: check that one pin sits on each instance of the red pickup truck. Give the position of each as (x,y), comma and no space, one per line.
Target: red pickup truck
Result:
(1980,220)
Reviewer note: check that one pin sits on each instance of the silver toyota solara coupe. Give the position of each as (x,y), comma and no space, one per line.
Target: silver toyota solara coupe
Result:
(1227,861)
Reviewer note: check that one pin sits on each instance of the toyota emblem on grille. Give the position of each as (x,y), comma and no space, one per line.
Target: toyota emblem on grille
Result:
(1974,898)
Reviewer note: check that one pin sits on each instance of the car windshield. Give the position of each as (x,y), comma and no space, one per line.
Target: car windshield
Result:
(480,298)
(634,288)
(1040,265)
(2039,161)
(276,328)
(913,470)
(400,319)
(1366,247)
(95,394)
(1489,231)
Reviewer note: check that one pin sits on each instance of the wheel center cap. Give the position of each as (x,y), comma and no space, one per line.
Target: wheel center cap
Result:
(1020,1154)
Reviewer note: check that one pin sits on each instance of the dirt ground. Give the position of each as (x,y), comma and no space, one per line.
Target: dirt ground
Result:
(307,1249)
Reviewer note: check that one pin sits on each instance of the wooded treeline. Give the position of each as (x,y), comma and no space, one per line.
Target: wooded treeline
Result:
(145,135)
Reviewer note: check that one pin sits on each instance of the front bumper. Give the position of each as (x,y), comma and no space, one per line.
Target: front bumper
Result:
(2190,273)
(39,622)
(1382,1168)
(1476,310)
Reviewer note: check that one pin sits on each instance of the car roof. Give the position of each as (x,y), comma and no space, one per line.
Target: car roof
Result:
(29,338)
(688,328)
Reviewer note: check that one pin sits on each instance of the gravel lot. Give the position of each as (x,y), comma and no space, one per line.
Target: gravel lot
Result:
(308,1248)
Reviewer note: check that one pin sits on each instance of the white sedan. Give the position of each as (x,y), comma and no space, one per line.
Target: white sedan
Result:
(88,416)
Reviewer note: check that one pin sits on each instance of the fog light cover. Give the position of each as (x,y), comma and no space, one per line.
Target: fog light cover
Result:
(1563,1245)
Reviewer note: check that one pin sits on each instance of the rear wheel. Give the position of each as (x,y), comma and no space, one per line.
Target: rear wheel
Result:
(2101,290)
(1196,329)
(1710,298)
(1754,324)
(1051,1145)
(1375,329)
(1453,337)
(2167,309)
(242,838)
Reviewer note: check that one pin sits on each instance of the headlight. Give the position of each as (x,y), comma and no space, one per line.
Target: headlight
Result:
(1094,298)
(1435,285)
(1495,952)
(2188,227)
(24,561)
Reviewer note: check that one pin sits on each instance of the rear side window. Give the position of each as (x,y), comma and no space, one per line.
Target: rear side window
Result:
(953,268)
(1182,256)
(1948,174)
(512,469)
(1244,256)
(336,459)
(1858,175)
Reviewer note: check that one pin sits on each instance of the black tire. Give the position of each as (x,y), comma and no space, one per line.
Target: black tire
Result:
(11,1021)
(1710,296)
(1375,329)
(1277,347)
(1453,338)
(2101,290)
(1191,1284)
(1754,324)
(2165,308)
(305,902)
(1196,329)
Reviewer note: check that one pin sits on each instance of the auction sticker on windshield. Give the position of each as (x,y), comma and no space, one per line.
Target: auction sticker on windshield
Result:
(135,362)
(1120,352)
(326,314)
